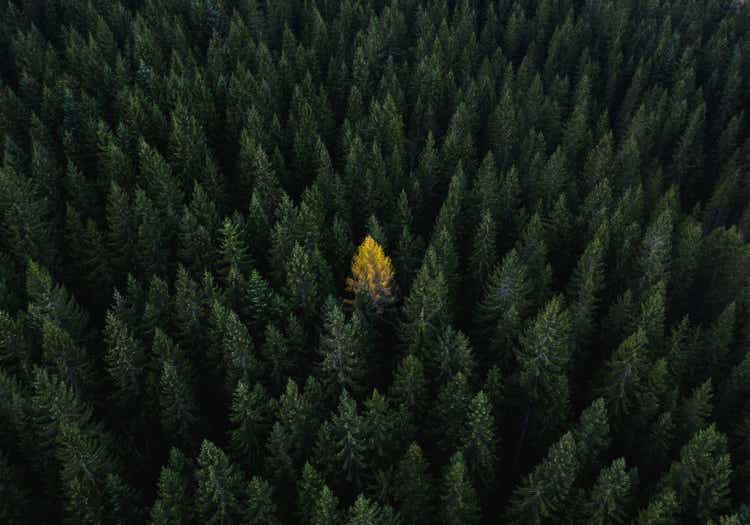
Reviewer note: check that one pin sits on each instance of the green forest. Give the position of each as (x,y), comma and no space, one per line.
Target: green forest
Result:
(374,262)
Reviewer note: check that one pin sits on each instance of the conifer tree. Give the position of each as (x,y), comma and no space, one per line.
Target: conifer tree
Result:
(459,502)
(344,433)
(326,510)
(700,477)
(543,492)
(409,392)
(426,307)
(174,502)
(592,435)
(126,361)
(414,487)
(176,398)
(342,347)
(543,357)
(372,274)
(484,251)
(479,443)
(260,508)
(504,304)
(309,488)
(451,411)
(610,496)
(219,487)
(626,371)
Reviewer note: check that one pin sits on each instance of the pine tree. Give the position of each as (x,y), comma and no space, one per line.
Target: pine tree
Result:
(452,355)
(126,361)
(586,286)
(543,492)
(625,377)
(663,510)
(695,412)
(484,252)
(378,425)
(504,304)
(219,487)
(543,360)
(60,351)
(174,504)
(459,502)
(260,508)
(532,251)
(309,488)
(592,436)
(341,348)
(233,249)
(409,393)
(366,512)
(610,496)
(326,510)
(719,338)
(700,477)
(656,250)
(84,460)
(451,411)
(278,357)
(479,443)
(176,398)
(348,440)
(426,307)
(306,280)
(288,441)
(414,487)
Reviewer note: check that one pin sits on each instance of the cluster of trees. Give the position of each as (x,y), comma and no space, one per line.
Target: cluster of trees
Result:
(374,262)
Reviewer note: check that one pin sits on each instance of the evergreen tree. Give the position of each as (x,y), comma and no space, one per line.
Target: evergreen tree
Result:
(426,307)
(504,304)
(219,487)
(459,502)
(260,509)
(343,442)
(178,410)
(479,442)
(543,492)
(126,361)
(700,477)
(414,487)
(543,358)
(341,347)
(174,503)
(610,495)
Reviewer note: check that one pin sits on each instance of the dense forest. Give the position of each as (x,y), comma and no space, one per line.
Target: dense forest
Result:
(374,262)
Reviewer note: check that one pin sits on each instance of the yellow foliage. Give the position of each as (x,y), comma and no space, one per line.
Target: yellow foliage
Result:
(372,273)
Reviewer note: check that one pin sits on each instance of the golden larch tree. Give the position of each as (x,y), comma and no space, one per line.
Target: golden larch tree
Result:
(372,273)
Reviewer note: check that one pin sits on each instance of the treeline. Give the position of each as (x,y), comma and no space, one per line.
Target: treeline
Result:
(548,320)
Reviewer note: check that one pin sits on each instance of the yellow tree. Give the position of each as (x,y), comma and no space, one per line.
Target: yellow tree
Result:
(372,273)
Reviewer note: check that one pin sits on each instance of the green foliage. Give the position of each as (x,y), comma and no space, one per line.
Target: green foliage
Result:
(610,495)
(543,358)
(542,493)
(260,507)
(505,302)
(700,477)
(249,418)
(479,442)
(553,200)
(459,501)
(174,503)
(219,487)
(414,487)
(342,348)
